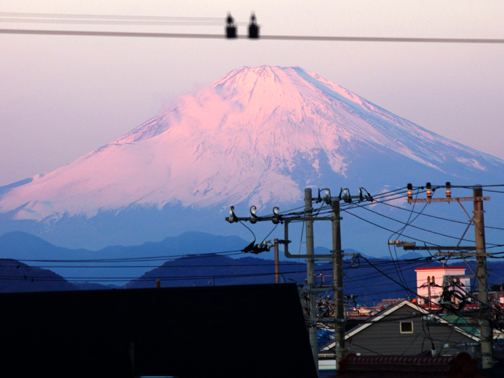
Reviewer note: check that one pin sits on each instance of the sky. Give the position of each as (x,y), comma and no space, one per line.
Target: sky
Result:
(63,96)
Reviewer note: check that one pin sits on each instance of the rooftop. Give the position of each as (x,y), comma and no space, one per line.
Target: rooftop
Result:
(441,268)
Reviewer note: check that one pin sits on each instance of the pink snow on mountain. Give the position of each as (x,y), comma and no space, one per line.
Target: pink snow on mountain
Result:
(234,141)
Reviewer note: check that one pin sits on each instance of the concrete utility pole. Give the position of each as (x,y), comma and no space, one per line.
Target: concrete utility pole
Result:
(310,262)
(429,291)
(482,277)
(336,257)
(480,254)
(339,314)
(276,260)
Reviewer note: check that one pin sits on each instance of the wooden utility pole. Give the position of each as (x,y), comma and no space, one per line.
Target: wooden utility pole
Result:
(310,265)
(339,314)
(482,277)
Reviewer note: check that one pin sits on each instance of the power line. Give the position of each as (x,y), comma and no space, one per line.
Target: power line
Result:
(111,22)
(419,228)
(437,217)
(388,229)
(150,278)
(399,233)
(472,186)
(83,33)
(114,17)
(326,209)
(151,258)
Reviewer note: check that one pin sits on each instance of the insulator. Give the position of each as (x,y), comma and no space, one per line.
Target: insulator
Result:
(448,190)
(346,195)
(231,30)
(327,197)
(253,28)
(410,191)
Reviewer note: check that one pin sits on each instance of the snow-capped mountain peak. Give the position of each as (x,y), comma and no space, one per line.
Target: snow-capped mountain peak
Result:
(246,138)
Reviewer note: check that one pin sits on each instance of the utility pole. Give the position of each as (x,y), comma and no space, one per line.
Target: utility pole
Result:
(276,260)
(339,315)
(429,291)
(482,277)
(310,267)
(481,273)
(336,256)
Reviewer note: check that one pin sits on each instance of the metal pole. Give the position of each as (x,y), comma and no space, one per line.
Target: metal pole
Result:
(481,275)
(429,291)
(310,267)
(339,315)
(276,260)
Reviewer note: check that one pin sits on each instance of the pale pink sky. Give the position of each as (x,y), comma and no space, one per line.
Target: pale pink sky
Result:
(61,97)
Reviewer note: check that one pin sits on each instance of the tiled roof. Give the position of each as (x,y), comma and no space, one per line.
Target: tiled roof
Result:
(354,366)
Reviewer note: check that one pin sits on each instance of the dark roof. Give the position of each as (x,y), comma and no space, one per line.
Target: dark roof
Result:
(224,331)
(382,314)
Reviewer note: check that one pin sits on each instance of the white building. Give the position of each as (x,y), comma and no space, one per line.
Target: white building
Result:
(433,277)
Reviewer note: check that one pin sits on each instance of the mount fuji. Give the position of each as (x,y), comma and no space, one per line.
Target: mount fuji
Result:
(258,136)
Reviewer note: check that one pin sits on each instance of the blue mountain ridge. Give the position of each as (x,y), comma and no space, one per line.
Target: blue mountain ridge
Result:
(195,267)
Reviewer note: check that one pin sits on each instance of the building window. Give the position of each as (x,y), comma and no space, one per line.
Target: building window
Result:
(406,327)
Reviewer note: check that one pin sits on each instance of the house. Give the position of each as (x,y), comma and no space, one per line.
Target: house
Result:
(430,282)
(407,329)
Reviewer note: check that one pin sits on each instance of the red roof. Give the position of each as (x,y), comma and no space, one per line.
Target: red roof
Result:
(441,268)
(462,365)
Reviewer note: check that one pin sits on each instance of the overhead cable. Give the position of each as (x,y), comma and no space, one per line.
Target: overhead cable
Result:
(83,33)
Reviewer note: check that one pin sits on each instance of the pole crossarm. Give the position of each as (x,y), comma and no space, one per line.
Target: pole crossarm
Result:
(463,254)
(321,288)
(438,248)
(271,219)
(316,257)
(350,254)
(454,199)
(327,256)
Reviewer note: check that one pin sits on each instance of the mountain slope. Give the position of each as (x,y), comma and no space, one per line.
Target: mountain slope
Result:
(257,136)
(18,277)
(362,281)
(111,263)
